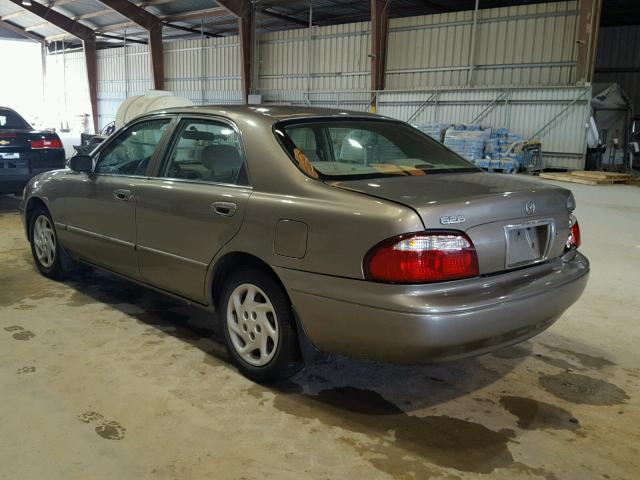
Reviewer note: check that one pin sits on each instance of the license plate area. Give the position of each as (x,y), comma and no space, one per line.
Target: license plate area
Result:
(528,243)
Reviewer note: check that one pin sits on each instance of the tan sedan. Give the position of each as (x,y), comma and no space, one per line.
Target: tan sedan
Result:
(314,230)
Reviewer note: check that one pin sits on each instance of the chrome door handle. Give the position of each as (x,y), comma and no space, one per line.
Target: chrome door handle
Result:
(226,209)
(123,195)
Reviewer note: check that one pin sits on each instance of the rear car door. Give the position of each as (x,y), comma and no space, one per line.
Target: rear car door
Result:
(100,206)
(192,206)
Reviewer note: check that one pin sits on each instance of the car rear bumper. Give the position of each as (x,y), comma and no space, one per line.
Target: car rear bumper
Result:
(423,323)
(13,183)
(13,180)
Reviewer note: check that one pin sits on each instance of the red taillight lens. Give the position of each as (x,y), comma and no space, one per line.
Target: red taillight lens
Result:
(422,257)
(574,239)
(42,143)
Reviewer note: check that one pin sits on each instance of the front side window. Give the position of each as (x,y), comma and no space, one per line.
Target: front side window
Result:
(350,149)
(131,151)
(207,151)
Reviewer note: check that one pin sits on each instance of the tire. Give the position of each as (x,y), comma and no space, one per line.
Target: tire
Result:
(266,322)
(45,248)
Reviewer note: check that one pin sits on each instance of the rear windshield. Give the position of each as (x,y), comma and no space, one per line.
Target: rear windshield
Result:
(10,120)
(338,149)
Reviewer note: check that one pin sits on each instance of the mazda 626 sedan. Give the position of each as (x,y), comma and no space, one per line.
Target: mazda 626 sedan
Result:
(313,230)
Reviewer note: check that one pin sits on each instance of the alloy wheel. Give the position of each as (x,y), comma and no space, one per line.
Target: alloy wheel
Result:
(44,241)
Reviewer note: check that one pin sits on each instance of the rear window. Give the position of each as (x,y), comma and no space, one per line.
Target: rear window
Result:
(340,149)
(10,120)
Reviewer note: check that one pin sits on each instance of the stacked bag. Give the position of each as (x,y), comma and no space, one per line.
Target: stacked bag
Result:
(488,148)
(468,141)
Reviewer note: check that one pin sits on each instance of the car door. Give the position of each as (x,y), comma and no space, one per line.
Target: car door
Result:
(100,206)
(192,205)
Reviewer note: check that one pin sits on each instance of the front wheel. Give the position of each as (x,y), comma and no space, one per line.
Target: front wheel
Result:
(259,328)
(44,244)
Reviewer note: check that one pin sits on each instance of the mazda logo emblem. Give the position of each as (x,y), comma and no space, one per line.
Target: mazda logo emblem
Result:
(530,207)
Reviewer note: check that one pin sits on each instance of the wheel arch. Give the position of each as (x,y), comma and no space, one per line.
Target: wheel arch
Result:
(30,207)
(230,262)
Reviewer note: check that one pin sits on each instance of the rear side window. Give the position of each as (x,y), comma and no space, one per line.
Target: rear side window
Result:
(11,120)
(206,150)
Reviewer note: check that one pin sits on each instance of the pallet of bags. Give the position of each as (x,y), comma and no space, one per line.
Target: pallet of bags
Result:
(467,143)
(434,130)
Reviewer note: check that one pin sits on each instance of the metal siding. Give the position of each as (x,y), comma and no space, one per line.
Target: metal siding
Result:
(337,55)
(523,110)
(525,45)
(121,76)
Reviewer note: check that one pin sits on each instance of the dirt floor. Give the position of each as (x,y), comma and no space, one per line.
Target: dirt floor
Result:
(101,379)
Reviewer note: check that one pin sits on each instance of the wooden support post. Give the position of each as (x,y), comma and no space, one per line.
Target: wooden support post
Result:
(91,63)
(587,37)
(153,25)
(157,57)
(245,25)
(379,41)
(242,10)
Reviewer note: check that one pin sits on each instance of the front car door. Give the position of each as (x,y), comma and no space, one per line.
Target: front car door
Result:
(100,206)
(192,205)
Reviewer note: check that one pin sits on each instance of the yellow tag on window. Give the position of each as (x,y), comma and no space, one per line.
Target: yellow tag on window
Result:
(304,163)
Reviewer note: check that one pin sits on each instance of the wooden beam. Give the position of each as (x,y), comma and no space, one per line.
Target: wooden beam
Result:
(136,14)
(10,27)
(587,36)
(157,57)
(379,40)
(153,25)
(59,20)
(91,64)
(242,10)
(281,16)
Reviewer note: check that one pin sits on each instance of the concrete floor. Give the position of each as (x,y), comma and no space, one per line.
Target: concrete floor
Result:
(101,379)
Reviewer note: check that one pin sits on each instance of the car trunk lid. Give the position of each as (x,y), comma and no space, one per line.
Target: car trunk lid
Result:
(512,222)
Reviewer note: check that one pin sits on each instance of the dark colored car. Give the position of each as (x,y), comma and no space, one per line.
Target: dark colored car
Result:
(25,152)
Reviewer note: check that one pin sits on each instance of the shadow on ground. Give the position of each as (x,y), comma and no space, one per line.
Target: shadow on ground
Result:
(370,398)
(9,203)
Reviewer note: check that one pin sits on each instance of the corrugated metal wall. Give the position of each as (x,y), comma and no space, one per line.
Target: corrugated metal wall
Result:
(529,45)
(620,65)
(207,72)
(556,116)
(526,45)
(125,72)
(325,58)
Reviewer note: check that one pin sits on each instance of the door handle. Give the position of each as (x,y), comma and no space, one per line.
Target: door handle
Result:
(122,194)
(226,209)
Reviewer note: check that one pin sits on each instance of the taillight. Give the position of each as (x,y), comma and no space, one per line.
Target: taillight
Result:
(574,239)
(421,258)
(42,143)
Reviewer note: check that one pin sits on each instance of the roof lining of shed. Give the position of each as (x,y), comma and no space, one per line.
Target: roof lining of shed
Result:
(273,15)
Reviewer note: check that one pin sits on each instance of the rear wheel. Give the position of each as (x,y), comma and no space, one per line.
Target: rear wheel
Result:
(259,328)
(44,244)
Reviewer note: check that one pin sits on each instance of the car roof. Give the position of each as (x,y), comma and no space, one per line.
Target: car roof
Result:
(267,114)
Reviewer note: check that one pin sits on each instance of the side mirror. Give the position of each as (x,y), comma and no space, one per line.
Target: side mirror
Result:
(81,163)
